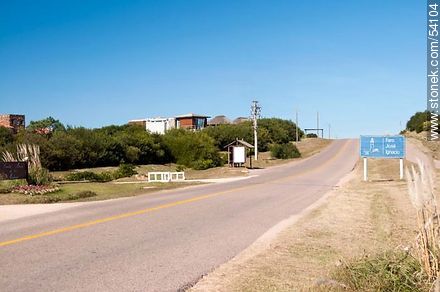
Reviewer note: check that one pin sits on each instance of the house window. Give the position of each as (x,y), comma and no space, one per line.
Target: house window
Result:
(199,123)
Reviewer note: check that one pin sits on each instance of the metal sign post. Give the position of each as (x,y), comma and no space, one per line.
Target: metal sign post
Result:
(365,169)
(382,147)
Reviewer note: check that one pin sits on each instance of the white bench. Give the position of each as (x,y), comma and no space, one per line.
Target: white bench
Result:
(164,176)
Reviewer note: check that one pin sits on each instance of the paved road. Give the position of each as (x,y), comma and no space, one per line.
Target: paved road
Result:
(161,242)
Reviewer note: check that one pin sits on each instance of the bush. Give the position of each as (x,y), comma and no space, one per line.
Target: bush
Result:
(418,122)
(39,176)
(391,271)
(192,149)
(312,135)
(89,176)
(285,151)
(124,170)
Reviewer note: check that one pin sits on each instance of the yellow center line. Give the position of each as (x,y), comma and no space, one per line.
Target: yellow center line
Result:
(112,218)
(152,209)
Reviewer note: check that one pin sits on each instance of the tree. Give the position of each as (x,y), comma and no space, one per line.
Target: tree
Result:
(49,123)
(6,136)
(270,131)
(192,149)
(418,122)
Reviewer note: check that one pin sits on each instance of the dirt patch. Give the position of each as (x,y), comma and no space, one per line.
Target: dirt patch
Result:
(358,218)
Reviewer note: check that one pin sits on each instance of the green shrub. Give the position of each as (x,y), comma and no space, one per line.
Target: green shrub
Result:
(311,135)
(89,176)
(192,149)
(82,176)
(180,168)
(39,176)
(202,164)
(105,176)
(284,151)
(390,271)
(124,170)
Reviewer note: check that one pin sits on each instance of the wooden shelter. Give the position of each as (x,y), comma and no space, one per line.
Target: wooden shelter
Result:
(238,151)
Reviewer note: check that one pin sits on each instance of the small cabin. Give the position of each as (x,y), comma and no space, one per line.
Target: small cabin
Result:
(238,151)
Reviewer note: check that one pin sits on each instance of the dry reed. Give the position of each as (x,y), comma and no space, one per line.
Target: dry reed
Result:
(427,245)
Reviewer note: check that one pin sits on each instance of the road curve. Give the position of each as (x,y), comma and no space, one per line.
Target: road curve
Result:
(163,241)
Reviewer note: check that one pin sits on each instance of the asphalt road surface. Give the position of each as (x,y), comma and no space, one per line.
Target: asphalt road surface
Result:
(162,241)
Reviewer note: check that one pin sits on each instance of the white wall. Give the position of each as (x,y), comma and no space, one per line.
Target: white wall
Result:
(159,125)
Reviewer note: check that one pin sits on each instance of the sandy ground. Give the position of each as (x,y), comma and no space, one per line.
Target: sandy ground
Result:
(299,254)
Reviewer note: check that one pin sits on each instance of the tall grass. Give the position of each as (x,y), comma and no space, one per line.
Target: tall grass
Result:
(427,244)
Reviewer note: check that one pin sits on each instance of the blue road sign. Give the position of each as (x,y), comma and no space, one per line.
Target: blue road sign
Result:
(382,146)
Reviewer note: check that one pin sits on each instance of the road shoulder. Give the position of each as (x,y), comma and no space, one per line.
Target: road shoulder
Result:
(302,251)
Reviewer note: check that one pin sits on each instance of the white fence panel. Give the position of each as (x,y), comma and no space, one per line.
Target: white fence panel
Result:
(164,176)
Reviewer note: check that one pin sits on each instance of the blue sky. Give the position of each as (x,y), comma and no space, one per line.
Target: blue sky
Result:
(94,63)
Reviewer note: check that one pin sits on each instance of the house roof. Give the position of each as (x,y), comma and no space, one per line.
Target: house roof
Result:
(239,142)
(191,115)
(137,120)
(240,120)
(219,120)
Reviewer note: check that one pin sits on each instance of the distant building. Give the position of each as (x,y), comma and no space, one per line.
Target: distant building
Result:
(13,122)
(155,125)
(219,120)
(240,120)
(160,125)
(191,121)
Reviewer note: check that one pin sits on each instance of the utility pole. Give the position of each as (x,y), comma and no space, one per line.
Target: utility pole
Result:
(297,131)
(317,124)
(329,128)
(255,115)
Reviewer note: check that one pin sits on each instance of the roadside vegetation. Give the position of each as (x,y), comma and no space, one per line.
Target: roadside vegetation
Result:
(75,163)
(65,147)
(417,129)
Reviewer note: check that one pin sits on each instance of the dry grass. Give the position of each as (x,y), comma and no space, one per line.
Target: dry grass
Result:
(307,147)
(420,138)
(360,218)
(427,244)
(312,146)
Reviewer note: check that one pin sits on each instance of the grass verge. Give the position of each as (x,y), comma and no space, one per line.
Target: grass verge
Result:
(89,192)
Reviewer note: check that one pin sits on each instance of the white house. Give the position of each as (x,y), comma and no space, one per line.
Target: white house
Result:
(159,125)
